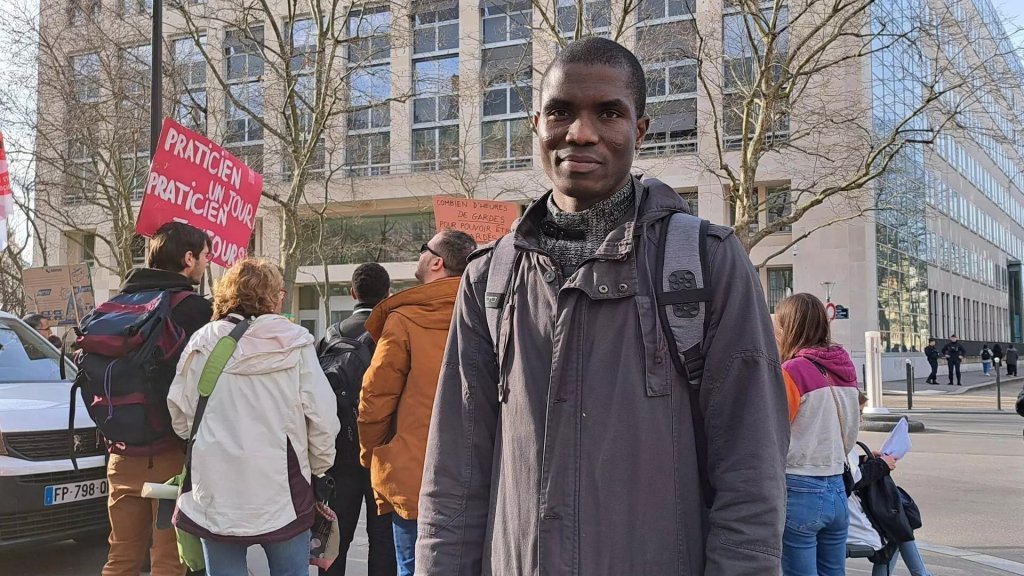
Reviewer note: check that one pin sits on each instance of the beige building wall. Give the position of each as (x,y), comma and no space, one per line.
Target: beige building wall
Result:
(842,254)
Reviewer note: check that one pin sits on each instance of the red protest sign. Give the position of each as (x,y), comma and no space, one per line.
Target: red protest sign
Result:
(196,181)
(484,220)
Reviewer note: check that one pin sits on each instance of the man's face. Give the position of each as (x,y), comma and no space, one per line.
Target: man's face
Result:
(429,261)
(44,328)
(954,339)
(589,130)
(195,267)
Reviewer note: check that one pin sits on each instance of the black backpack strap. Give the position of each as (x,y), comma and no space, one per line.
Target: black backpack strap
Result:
(683,295)
(498,294)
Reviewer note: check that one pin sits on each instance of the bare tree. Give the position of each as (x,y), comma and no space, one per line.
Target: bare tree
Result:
(781,83)
(295,76)
(89,125)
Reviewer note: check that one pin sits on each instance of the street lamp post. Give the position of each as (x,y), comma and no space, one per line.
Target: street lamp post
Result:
(156,76)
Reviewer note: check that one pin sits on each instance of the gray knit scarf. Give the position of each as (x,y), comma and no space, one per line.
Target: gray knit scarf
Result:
(596,222)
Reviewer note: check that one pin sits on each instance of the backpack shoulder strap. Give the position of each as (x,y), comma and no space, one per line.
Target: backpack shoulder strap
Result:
(684,292)
(683,296)
(499,280)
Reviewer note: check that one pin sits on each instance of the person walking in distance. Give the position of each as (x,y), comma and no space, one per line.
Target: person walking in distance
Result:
(932,353)
(397,399)
(597,412)
(345,354)
(177,259)
(1011,360)
(954,352)
(986,360)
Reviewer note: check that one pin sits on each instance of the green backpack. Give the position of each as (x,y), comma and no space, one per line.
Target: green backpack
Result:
(190,549)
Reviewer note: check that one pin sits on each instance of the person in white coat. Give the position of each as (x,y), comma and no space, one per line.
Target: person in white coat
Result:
(269,427)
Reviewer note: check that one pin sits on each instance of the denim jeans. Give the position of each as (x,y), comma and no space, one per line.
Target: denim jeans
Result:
(817,520)
(405,544)
(986,367)
(911,557)
(288,558)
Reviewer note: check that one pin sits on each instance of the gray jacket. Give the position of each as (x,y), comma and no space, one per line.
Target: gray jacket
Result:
(590,467)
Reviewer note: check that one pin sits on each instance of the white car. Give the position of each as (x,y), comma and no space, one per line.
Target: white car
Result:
(42,497)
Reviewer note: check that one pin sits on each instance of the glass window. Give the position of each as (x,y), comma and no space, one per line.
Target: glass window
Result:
(129,7)
(780,286)
(25,357)
(596,16)
(358,239)
(436,82)
(241,126)
(506,21)
(304,45)
(660,9)
(780,205)
(507,140)
(369,154)
(85,71)
(371,88)
(243,55)
(436,31)
(738,50)
(369,33)
(432,144)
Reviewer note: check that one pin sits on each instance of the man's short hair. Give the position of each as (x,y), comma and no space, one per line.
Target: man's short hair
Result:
(455,248)
(170,243)
(33,320)
(371,283)
(593,51)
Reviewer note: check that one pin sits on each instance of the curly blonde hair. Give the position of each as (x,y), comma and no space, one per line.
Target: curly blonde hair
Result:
(251,287)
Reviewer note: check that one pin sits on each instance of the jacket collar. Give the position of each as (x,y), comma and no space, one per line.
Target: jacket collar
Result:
(430,299)
(654,200)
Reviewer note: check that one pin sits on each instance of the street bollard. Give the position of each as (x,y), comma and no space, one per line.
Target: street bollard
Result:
(864,376)
(910,385)
(999,386)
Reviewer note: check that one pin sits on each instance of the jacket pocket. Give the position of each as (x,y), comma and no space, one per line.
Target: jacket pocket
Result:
(383,475)
(657,364)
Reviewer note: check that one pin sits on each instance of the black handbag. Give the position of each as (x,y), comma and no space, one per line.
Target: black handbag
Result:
(889,508)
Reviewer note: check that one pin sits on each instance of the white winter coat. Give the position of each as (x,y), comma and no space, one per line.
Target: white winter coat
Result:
(269,424)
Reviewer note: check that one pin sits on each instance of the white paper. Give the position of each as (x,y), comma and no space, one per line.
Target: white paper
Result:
(898,443)
(159,491)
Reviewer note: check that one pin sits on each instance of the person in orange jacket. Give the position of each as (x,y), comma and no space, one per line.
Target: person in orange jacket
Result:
(397,398)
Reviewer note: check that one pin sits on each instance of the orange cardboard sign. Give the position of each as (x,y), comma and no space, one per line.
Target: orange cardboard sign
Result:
(61,293)
(484,220)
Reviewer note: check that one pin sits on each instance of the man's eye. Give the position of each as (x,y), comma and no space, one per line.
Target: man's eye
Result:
(558,114)
(611,114)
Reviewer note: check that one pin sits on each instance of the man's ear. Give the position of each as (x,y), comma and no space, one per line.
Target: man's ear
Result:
(437,264)
(643,124)
(189,260)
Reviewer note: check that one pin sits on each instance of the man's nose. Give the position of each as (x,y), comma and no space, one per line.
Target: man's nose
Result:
(582,131)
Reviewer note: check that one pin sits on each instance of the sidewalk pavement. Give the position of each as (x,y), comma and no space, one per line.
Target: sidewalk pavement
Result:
(973,380)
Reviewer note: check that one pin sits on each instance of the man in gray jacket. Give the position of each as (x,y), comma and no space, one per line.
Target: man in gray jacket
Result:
(586,463)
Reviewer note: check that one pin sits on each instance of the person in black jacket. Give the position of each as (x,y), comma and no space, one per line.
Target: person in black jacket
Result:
(954,352)
(862,530)
(933,360)
(370,285)
(1011,361)
(177,259)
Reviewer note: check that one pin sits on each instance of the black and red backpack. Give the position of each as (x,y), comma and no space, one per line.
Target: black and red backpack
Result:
(127,350)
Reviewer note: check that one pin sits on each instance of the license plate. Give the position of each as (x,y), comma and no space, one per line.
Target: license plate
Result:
(63,493)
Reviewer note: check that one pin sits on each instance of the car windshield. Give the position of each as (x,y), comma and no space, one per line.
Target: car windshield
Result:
(25,356)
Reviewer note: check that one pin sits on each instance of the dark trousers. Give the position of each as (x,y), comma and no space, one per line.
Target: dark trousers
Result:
(351,490)
(954,365)
(935,369)
(1011,369)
